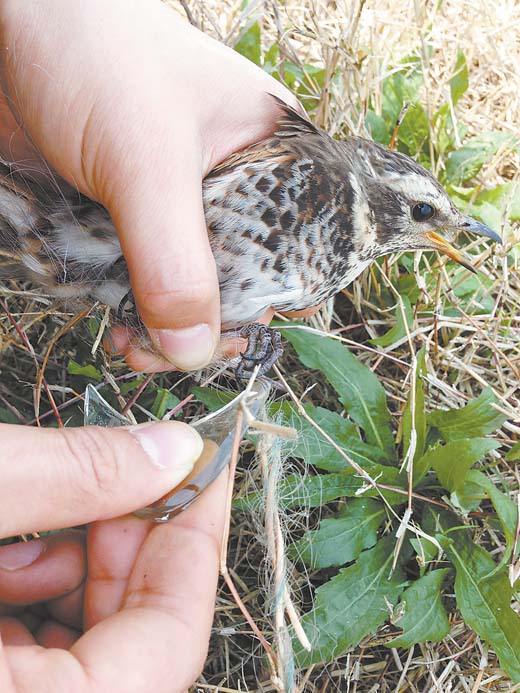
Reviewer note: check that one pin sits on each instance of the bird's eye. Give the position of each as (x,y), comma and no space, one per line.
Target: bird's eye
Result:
(422,211)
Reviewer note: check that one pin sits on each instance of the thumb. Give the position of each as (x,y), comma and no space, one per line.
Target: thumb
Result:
(71,476)
(159,215)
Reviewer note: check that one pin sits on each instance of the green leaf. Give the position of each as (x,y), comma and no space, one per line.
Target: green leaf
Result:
(399,330)
(484,599)
(311,446)
(514,454)
(93,325)
(475,294)
(453,460)
(425,550)
(488,214)
(501,197)
(164,401)
(340,540)
(359,390)
(459,82)
(477,418)
(311,76)
(402,87)
(424,618)
(351,604)
(249,45)
(506,510)
(448,132)
(435,520)
(271,58)
(306,491)
(415,413)
(130,385)
(464,163)
(414,131)
(7,416)
(315,491)
(89,371)
(468,498)
(377,127)
(213,399)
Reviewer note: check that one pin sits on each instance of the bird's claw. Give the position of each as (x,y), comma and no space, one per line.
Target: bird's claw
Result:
(264,348)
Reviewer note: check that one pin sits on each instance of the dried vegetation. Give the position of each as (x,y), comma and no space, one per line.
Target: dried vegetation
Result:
(343,52)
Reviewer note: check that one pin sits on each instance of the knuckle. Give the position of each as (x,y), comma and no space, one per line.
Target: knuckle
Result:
(93,463)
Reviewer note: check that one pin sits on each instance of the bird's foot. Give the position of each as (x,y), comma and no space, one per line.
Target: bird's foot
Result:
(264,348)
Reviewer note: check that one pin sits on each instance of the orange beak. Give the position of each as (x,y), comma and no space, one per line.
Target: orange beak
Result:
(443,246)
(471,226)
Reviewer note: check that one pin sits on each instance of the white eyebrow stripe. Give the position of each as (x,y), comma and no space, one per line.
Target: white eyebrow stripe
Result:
(421,189)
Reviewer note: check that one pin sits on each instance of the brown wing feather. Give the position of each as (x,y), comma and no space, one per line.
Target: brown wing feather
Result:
(289,126)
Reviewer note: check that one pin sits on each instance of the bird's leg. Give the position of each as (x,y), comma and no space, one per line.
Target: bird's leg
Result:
(264,344)
(264,348)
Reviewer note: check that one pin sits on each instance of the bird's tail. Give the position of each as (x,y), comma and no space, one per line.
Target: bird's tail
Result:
(57,238)
(19,213)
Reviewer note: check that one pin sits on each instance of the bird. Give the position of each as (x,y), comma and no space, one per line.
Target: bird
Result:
(292,220)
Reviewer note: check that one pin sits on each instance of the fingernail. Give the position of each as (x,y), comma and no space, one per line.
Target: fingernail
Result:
(20,555)
(171,446)
(189,348)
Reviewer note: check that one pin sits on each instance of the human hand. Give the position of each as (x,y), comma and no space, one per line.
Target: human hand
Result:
(133,106)
(142,593)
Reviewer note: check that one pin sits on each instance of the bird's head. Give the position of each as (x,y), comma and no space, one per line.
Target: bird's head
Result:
(408,209)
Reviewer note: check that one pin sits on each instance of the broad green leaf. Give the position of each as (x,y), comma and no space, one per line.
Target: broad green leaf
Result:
(213,399)
(501,197)
(352,604)
(93,325)
(477,418)
(488,213)
(464,163)
(164,402)
(359,390)
(271,58)
(406,284)
(415,413)
(306,491)
(435,520)
(308,77)
(414,131)
(88,371)
(311,446)
(475,294)
(425,550)
(378,127)
(399,330)
(340,540)
(459,82)
(514,453)
(506,510)
(7,416)
(249,45)
(424,618)
(131,385)
(317,490)
(484,599)
(449,133)
(453,460)
(402,87)
(468,498)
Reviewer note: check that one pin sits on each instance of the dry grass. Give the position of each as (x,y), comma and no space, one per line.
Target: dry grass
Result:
(362,41)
